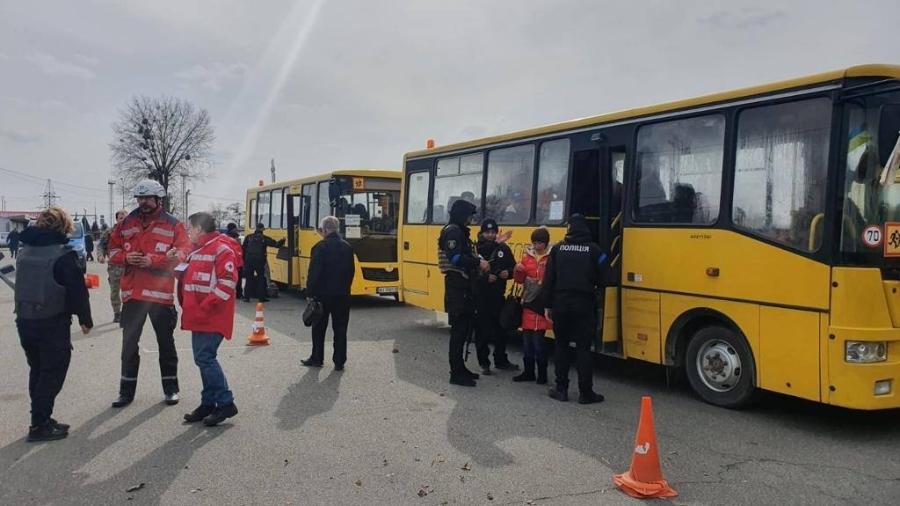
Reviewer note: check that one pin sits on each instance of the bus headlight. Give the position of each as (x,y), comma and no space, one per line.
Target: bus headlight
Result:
(865,352)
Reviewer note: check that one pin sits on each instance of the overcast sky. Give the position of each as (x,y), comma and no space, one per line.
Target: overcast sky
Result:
(325,84)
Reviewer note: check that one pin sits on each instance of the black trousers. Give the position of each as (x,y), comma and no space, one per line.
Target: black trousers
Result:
(239,288)
(164,319)
(337,307)
(255,273)
(574,320)
(48,349)
(488,329)
(458,302)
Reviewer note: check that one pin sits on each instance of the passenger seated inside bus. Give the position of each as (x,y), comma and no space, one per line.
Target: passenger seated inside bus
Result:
(684,204)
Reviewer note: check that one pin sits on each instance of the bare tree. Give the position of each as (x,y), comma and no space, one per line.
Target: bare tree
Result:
(226,214)
(163,139)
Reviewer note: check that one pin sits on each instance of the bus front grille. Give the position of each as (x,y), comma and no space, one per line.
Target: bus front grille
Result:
(373,274)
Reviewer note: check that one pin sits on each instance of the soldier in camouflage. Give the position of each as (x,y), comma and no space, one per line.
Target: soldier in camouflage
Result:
(115,271)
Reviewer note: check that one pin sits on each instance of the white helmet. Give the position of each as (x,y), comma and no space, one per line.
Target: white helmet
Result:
(149,188)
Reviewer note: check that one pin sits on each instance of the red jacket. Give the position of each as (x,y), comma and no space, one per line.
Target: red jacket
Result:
(532,267)
(206,289)
(153,236)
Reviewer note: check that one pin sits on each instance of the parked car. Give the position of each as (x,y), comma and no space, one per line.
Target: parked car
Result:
(76,241)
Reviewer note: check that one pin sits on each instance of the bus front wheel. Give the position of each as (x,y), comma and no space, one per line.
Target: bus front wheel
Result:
(720,367)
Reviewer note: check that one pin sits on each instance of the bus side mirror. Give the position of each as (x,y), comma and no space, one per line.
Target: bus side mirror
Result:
(888,130)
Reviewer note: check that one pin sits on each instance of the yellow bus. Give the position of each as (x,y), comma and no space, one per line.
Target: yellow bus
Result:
(366,202)
(754,234)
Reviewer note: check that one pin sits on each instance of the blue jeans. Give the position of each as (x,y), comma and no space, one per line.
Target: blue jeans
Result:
(215,386)
(533,346)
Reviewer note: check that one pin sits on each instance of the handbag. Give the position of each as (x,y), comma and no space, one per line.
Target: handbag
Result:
(313,312)
(511,312)
(531,296)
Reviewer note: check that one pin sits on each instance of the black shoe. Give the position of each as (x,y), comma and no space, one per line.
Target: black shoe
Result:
(60,426)
(463,381)
(339,367)
(199,414)
(590,397)
(559,395)
(122,401)
(525,376)
(47,432)
(486,370)
(466,372)
(220,414)
(172,399)
(311,363)
(506,366)
(117,317)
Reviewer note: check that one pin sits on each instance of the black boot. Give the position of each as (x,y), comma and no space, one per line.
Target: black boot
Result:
(122,401)
(199,414)
(527,371)
(47,432)
(542,372)
(560,395)
(220,414)
(589,397)
(462,380)
(469,374)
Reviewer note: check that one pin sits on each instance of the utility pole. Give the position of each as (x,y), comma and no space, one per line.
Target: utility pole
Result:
(187,193)
(184,194)
(112,185)
(273,170)
(3,203)
(49,195)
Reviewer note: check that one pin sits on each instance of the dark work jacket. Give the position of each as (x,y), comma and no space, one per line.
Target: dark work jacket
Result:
(65,272)
(13,240)
(255,246)
(574,268)
(501,259)
(331,268)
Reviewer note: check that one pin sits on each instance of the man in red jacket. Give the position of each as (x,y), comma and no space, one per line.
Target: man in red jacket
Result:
(149,244)
(207,294)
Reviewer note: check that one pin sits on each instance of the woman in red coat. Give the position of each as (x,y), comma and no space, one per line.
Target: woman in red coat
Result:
(530,273)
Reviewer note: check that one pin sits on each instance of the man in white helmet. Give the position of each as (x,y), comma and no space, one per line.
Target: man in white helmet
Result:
(149,243)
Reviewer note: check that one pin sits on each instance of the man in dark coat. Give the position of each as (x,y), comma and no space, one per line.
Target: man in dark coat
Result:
(489,298)
(460,264)
(331,271)
(255,260)
(571,283)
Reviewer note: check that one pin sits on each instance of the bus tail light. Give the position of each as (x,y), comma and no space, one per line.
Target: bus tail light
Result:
(865,352)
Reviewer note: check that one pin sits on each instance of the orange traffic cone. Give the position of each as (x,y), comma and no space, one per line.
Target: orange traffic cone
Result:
(92,280)
(258,336)
(644,478)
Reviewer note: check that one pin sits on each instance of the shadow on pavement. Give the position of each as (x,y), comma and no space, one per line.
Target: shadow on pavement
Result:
(308,397)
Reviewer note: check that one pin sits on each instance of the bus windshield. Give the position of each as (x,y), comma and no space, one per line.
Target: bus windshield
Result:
(868,202)
(368,212)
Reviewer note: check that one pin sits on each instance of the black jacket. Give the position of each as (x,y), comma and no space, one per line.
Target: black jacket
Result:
(455,247)
(501,259)
(13,239)
(331,268)
(574,267)
(66,273)
(255,246)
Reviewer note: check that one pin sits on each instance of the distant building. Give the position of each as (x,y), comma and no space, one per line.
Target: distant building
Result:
(14,220)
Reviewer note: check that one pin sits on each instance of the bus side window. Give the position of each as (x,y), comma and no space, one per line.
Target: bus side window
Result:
(251,216)
(679,171)
(510,175)
(457,178)
(308,206)
(553,180)
(417,197)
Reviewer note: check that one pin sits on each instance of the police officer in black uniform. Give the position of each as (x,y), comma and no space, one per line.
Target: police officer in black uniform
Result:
(255,260)
(460,265)
(571,283)
(489,296)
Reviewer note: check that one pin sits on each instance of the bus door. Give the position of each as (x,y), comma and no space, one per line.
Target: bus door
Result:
(292,228)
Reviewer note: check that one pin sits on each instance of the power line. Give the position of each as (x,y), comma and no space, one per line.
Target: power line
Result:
(49,194)
(41,179)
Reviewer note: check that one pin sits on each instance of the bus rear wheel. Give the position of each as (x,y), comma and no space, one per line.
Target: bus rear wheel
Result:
(720,367)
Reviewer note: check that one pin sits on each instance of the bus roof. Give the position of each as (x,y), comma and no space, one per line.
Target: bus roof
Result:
(874,70)
(381,173)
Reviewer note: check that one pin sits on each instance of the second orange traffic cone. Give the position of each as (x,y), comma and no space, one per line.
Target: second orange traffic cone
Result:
(644,478)
(258,336)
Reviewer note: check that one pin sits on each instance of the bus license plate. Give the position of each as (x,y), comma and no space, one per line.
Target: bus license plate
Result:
(385,290)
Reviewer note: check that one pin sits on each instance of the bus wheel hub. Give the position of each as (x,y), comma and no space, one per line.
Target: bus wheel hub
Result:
(719,365)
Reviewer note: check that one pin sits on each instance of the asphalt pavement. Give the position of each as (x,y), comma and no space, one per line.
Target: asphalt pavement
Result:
(391,430)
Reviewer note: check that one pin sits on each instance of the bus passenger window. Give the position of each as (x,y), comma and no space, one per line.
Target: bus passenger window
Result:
(417,197)
(456,178)
(781,171)
(277,208)
(679,166)
(308,205)
(509,179)
(324,203)
(553,182)
(263,207)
